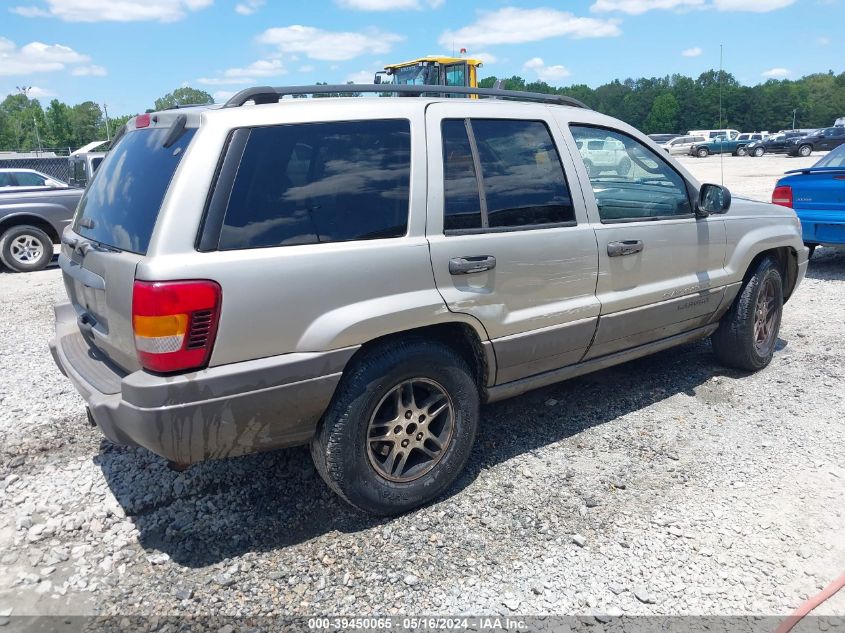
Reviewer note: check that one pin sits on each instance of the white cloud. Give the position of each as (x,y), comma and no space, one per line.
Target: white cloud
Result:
(248,7)
(247,75)
(486,58)
(36,57)
(221,96)
(776,73)
(328,45)
(35,92)
(89,71)
(546,73)
(113,10)
(754,6)
(387,5)
(307,68)
(515,26)
(695,51)
(638,7)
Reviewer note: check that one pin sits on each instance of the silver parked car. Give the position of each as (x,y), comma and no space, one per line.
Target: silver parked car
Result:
(362,274)
(681,145)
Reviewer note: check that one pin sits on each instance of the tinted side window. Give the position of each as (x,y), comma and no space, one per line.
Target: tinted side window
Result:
(462,206)
(26,179)
(523,184)
(631,182)
(320,182)
(523,178)
(6,180)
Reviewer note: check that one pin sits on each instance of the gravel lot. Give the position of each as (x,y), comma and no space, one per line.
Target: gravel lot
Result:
(664,486)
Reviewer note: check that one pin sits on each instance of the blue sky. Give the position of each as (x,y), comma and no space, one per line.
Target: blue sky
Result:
(126,53)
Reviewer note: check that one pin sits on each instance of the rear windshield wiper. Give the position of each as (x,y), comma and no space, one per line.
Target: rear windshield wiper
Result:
(176,130)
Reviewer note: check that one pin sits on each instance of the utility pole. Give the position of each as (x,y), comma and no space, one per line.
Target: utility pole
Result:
(24,90)
(106,112)
(793,117)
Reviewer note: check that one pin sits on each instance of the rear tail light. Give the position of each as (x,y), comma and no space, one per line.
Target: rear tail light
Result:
(142,120)
(175,323)
(782,195)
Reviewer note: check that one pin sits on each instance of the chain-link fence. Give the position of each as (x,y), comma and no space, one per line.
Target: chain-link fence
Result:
(57,167)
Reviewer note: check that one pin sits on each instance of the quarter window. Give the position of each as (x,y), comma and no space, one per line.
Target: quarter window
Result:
(629,181)
(502,174)
(27,179)
(320,182)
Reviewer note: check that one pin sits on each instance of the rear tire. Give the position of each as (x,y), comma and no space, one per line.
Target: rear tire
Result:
(702,153)
(805,150)
(26,248)
(387,394)
(748,333)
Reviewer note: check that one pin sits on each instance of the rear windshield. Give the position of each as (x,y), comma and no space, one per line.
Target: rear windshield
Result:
(121,205)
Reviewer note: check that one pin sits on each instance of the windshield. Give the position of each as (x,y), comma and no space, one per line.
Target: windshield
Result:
(836,158)
(121,204)
(415,75)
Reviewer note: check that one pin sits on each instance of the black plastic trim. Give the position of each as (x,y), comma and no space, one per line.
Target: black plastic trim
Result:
(208,237)
(267,94)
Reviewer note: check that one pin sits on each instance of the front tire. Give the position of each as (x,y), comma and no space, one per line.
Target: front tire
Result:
(758,152)
(702,153)
(26,248)
(400,428)
(741,151)
(805,150)
(748,333)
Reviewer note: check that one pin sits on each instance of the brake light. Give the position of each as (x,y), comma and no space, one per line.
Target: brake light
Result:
(782,195)
(175,323)
(142,120)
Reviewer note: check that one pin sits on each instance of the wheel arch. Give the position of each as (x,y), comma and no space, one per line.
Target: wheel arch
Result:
(461,337)
(29,219)
(787,260)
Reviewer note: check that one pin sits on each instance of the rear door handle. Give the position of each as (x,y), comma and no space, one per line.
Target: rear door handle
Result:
(625,247)
(469,265)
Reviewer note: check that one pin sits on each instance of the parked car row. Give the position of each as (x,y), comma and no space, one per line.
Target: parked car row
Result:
(703,143)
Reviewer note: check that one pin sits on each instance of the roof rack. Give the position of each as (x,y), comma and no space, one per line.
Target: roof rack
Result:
(265,94)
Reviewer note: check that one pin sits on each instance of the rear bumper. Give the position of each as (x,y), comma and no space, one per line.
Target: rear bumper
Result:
(825,229)
(217,412)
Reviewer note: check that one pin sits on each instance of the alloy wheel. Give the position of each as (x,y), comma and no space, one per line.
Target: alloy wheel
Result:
(410,430)
(26,249)
(765,317)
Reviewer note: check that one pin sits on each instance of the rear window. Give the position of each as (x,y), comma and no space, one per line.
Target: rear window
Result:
(320,182)
(121,205)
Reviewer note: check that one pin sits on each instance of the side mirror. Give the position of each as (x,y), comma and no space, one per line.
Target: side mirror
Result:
(712,199)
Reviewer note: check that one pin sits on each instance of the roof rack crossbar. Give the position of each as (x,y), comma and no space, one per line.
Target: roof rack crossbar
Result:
(267,94)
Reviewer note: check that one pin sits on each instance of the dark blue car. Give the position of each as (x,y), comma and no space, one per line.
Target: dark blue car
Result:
(817,194)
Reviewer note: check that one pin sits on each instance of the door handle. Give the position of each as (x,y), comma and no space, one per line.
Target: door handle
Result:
(625,247)
(469,265)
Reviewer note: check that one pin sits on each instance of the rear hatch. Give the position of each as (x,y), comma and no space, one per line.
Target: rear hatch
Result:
(111,233)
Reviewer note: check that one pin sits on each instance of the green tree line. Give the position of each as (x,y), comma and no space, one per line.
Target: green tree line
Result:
(25,125)
(673,103)
(676,104)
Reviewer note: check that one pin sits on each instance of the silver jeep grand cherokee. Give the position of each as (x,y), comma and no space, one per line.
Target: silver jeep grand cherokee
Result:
(362,274)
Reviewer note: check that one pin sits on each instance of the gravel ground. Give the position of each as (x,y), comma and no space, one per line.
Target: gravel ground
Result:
(664,486)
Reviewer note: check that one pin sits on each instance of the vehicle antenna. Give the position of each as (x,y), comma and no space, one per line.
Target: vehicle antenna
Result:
(721,153)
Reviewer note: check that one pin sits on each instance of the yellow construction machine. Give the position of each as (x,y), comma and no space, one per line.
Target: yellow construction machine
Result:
(433,70)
